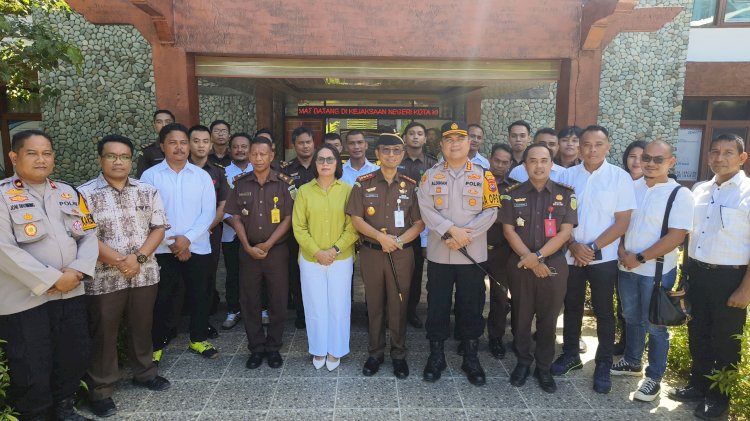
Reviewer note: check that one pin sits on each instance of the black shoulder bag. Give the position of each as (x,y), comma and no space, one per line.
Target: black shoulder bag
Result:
(668,308)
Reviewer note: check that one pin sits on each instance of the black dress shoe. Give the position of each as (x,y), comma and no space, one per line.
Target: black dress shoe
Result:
(400,368)
(435,362)
(519,375)
(711,409)
(372,365)
(414,321)
(64,410)
(688,393)
(255,360)
(497,349)
(299,323)
(471,366)
(274,360)
(212,332)
(546,381)
(157,384)
(103,408)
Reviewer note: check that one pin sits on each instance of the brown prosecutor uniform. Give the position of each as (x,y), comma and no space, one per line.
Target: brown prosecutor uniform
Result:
(376,201)
(525,208)
(261,207)
(151,155)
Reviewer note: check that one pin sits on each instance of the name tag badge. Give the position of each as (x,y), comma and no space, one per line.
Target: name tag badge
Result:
(275,216)
(398,218)
(550,228)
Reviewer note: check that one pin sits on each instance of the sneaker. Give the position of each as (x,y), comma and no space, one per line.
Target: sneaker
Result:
(624,368)
(156,356)
(204,348)
(231,320)
(648,391)
(565,363)
(602,379)
(264,319)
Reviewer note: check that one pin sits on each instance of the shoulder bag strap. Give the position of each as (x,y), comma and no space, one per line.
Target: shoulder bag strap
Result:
(664,229)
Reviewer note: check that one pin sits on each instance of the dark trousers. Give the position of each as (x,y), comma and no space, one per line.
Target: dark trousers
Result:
(215,239)
(620,319)
(601,279)
(714,324)
(540,297)
(47,348)
(231,251)
(470,294)
(295,287)
(497,260)
(415,290)
(192,275)
(274,272)
(105,313)
(382,298)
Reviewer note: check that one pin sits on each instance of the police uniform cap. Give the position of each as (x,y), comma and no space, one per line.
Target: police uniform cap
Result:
(454,127)
(389,139)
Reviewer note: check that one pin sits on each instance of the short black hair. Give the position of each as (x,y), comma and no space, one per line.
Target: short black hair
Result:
(730,137)
(545,130)
(413,124)
(198,128)
(264,130)
(157,112)
(172,127)
(501,146)
(261,140)
(535,145)
(635,144)
(570,130)
(475,125)
(114,138)
(331,136)
(217,122)
(594,128)
(434,130)
(299,131)
(243,135)
(354,133)
(339,167)
(520,123)
(16,142)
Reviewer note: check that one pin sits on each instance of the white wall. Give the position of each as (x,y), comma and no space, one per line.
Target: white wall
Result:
(719,44)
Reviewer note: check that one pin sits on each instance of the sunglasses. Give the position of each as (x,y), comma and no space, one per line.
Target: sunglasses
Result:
(395,151)
(658,160)
(326,160)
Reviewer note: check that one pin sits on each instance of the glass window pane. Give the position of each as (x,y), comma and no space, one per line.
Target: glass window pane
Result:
(738,11)
(694,109)
(740,131)
(703,12)
(729,110)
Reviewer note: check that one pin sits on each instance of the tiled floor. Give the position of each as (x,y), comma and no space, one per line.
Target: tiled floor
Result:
(223,389)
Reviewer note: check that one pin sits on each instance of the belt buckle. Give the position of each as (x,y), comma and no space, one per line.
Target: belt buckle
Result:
(490,247)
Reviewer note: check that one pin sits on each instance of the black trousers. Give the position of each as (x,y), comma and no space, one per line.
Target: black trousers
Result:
(714,324)
(215,239)
(498,266)
(193,275)
(415,290)
(601,279)
(295,287)
(231,251)
(47,348)
(470,294)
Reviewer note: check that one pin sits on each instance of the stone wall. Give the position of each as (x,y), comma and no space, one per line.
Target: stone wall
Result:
(231,100)
(114,94)
(642,81)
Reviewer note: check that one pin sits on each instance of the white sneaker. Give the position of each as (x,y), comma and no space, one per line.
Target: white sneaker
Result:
(648,391)
(264,319)
(231,320)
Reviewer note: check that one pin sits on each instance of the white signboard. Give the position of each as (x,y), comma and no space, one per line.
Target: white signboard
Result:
(688,154)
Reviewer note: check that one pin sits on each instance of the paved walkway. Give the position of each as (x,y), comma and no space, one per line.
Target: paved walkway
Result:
(223,389)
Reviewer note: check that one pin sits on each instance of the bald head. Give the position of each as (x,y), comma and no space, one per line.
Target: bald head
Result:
(657,160)
(658,146)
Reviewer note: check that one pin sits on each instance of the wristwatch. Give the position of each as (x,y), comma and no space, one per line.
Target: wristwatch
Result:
(539,256)
(593,246)
(400,243)
(142,258)
(338,251)
(639,257)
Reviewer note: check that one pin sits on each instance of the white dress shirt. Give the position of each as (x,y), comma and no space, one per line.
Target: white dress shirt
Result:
(350,174)
(190,201)
(600,195)
(519,173)
(646,221)
(721,228)
(232,171)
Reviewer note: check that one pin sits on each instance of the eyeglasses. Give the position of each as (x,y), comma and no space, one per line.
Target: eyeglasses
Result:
(394,151)
(326,160)
(112,157)
(220,131)
(658,160)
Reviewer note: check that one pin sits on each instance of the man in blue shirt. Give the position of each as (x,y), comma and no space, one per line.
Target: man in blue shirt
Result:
(357,165)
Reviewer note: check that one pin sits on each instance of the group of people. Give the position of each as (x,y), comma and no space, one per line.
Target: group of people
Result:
(541,221)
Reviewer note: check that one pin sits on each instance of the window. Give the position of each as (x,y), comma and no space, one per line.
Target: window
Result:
(721,13)
(14,117)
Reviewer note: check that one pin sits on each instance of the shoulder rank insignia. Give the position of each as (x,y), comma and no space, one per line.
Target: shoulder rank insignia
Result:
(409,179)
(513,187)
(285,178)
(239,176)
(565,186)
(366,176)
(284,164)
(146,146)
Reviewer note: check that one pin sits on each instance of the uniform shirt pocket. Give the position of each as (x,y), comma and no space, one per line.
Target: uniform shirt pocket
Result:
(439,195)
(28,225)
(73,221)
(471,199)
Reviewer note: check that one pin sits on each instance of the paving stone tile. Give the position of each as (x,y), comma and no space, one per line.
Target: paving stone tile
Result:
(366,393)
(233,415)
(192,366)
(433,414)
(300,365)
(621,396)
(369,414)
(184,395)
(300,414)
(298,393)
(128,397)
(566,396)
(492,367)
(237,369)
(478,414)
(242,394)
(567,415)
(414,392)
(497,393)
(163,416)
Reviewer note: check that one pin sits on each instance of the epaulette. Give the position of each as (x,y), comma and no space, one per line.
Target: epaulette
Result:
(409,179)
(565,185)
(512,180)
(513,187)
(238,176)
(144,147)
(284,164)
(429,155)
(366,176)
(285,178)
(219,165)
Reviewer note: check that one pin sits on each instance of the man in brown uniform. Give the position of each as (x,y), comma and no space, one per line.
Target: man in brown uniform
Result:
(384,209)
(538,217)
(261,209)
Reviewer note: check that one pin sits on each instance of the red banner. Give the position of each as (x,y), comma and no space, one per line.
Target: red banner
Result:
(369,112)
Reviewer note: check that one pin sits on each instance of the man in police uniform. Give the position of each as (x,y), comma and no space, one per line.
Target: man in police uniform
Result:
(151,154)
(538,217)
(458,201)
(47,246)
(384,209)
(261,209)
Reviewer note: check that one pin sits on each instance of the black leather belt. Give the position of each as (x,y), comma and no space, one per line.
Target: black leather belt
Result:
(379,247)
(704,265)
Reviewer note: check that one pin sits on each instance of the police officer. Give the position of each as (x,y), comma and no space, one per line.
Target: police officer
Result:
(538,217)
(458,201)
(151,154)
(47,246)
(261,209)
(384,209)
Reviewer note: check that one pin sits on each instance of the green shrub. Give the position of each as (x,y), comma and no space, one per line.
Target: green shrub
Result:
(6,412)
